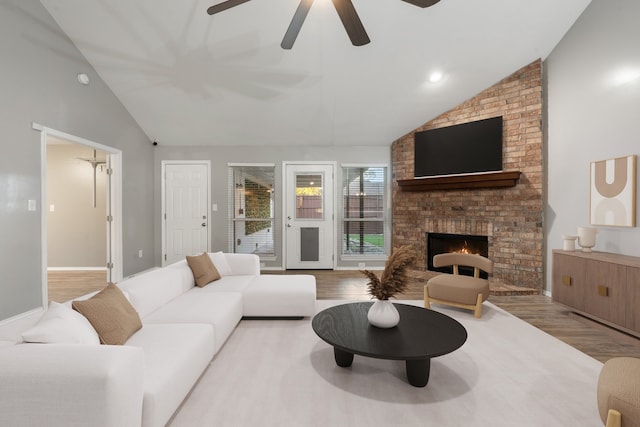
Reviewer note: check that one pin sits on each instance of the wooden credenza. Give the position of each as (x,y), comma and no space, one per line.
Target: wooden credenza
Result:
(599,285)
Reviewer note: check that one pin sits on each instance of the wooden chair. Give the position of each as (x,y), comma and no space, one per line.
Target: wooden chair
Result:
(458,290)
(619,393)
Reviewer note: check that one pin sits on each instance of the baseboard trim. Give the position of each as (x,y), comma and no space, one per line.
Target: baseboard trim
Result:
(76,268)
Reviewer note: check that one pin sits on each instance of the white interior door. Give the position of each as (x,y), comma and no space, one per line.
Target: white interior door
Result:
(186,201)
(309,217)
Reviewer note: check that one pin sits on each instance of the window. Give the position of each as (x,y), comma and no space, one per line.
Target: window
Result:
(251,209)
(309,196)
(363,220)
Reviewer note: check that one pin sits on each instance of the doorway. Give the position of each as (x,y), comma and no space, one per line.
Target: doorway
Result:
(309,215)
(81,215)
(185,209)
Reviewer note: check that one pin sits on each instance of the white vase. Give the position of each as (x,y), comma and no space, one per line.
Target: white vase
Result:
(569,242)
(587,238)
(383,314)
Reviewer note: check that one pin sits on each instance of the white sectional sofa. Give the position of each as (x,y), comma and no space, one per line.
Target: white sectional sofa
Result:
(142,382)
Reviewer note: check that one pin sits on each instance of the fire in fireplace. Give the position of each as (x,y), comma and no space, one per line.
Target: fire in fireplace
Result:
(438,243)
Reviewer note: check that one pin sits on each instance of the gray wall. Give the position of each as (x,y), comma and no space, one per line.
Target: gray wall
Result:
(591,117)
(221,156)
(76,230)
(38,84)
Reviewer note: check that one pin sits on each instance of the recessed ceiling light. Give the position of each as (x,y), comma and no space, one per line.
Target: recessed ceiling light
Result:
(435,76)
(625,75)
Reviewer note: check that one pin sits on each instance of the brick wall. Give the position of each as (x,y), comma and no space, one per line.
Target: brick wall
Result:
(511,217)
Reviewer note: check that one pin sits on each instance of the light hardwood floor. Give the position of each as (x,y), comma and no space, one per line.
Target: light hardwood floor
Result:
(66,285)
(599,342)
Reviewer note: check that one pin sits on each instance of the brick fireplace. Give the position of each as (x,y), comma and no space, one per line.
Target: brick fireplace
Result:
(510,218)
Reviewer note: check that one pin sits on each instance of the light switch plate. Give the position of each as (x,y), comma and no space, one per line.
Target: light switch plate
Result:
(31,205)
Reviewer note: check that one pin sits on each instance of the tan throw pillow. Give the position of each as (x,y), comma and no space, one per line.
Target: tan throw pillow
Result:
(111,315)
(204,272)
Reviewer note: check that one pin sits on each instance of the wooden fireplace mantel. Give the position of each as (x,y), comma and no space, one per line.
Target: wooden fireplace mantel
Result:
(461,182)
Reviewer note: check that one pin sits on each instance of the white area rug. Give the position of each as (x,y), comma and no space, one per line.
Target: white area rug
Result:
(508,373)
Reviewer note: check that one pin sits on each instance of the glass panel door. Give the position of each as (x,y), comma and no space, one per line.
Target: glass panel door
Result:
(309,216)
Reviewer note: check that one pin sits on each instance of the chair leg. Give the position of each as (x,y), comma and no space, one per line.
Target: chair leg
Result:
(614,418)
(427,304)
(477,313)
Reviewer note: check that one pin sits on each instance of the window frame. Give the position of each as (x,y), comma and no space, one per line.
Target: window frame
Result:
(234,219)
(385,214)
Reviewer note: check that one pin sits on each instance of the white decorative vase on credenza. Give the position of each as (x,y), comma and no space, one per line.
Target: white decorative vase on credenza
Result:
(587,238)
(383,314)
(569,242)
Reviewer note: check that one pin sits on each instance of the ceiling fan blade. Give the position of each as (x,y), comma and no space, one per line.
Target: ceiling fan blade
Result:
(351,22)
(296,24)
(224,6)
(422,3)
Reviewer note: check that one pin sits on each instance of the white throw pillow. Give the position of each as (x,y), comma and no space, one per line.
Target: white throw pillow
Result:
(60,324)
(222,265)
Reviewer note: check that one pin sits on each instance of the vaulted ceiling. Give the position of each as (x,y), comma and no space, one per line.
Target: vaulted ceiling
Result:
(189,78)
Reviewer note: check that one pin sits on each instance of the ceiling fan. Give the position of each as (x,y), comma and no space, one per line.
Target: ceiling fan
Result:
(346,12)
(94,162)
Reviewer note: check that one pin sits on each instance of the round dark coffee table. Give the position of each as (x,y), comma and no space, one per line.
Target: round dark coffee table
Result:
(420,335)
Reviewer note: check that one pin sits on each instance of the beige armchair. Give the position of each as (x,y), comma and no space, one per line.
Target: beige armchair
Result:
(619,392)
(458,290)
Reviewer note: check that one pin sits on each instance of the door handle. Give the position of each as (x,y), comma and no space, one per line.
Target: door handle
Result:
(288,225)
(204,224)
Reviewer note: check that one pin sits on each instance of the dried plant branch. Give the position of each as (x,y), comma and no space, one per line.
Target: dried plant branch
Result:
(394,277)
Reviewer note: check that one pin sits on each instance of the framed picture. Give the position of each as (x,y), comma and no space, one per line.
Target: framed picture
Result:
(613,192)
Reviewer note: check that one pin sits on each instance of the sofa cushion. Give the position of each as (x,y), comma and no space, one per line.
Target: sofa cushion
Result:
(175,355)
(111,315)
(458,288)
(71,385)
(220,261)
(12,329)
(60,324)
(222,310)
(187,281)
(230,284)
(280,295)
(243,264)
(204,272)
(152,289)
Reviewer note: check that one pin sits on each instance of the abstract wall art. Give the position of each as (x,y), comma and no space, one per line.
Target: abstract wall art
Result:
(613,192)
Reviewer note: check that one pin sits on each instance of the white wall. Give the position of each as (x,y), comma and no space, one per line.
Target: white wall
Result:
(38,83)
(591,116)
(76,230)
(222,155)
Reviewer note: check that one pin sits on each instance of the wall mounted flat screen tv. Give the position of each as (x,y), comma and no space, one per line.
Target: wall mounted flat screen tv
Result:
(468,148)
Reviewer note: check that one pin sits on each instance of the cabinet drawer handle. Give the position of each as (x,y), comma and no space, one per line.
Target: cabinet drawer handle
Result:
(603,291)
(566,280)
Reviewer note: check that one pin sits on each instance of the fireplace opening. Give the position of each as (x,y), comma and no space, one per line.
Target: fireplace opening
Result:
(438,243)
